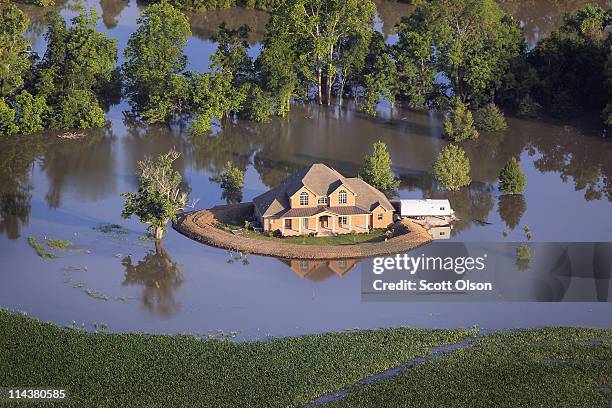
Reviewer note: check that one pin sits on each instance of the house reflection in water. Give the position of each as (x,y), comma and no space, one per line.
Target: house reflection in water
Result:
(320,270)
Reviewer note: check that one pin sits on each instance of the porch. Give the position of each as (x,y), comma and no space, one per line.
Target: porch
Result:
(325,225)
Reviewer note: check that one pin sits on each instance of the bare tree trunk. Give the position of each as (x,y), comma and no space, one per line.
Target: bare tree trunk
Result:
(330,83)
(331,75)
(159,233)
(319,85)
(341,91)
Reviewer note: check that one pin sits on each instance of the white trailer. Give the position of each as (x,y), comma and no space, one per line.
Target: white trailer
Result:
(424,208)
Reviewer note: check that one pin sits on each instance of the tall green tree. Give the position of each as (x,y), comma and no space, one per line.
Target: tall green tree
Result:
(376,169)
(415,61)
(473,42)
(231,181)
(352,54)
(212,95)
(14,46)
(452,168)
(512,180)
(77,57)
(155,62)
(160,194)
(231,56)
(76,71)
(316,29)
(30,112)
(380,79)
(571,62)
(278,65)
(7,119)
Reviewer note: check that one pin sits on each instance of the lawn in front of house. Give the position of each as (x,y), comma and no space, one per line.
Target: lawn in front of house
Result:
(375,235)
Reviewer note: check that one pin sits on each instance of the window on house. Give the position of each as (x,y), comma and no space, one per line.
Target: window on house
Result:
(342,220)
(322,200)
(441,208)
(304,223)
(304,198)
(442,233)
(380,216)
(342,263)
(342,197)
(303,265)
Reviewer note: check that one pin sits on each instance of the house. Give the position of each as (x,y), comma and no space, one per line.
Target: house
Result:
(320,201)
(424,208)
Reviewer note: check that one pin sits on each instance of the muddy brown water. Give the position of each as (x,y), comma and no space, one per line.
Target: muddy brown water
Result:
(66,189)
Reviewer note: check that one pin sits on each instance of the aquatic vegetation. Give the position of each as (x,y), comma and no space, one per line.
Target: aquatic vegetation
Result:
(96,295)
(111,228)
(58,243)
(523,257)
(527,232)
(40,249)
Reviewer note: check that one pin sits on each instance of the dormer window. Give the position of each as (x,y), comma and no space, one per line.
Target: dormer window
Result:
(322,200)
(304,198)
(342,198)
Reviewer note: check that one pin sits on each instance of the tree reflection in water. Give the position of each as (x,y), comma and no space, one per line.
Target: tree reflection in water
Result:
(111,10)
(160,277)
(511,209)
(17,155)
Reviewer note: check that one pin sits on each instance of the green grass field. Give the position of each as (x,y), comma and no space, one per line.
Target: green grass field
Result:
(555,367)
(139,370)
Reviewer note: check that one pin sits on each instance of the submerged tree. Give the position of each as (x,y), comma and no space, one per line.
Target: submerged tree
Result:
(311,33)
(159,195)
(415,62)
(571,63)
(376,169)
(231,181)
(459,125)
(379,77)
(14,46)
(472,42)
(512,180)
(155,62)
(523,257)
(452,168)
(77,71)
(490,119)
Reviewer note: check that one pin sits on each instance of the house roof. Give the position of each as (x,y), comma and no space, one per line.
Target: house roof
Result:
(321,180)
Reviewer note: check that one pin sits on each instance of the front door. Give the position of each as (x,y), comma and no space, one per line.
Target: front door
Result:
(324,221)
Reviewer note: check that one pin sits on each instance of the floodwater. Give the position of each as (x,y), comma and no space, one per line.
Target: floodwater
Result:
(60,189)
